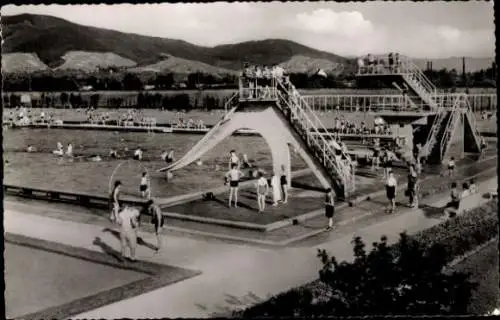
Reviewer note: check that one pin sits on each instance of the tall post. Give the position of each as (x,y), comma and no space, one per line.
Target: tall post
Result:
(464,75)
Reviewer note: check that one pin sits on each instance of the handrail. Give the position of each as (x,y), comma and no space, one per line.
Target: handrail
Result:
(448,129)
(322,147)
(322,144)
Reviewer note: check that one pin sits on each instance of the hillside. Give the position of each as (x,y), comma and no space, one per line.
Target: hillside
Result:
(22,63)
(177,65)
(92,61)
(301,64)
(28,33)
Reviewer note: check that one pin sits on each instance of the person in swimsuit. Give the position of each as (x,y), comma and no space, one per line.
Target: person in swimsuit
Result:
(262,189)
(144,187)
(233,176)
(412,186)
(472,187)
(376,159)
(390,186)
(451,207)
(114,200)
(168,156)
(233,159)
(158,220)
(329,207)
(284,185)
(128,219)
(138,154)
(246,162)
(451,166)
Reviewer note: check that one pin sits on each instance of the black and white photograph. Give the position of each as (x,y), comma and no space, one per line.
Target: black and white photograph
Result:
(250,159)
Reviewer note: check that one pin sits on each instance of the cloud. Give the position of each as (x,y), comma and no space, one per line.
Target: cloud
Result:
(327,21)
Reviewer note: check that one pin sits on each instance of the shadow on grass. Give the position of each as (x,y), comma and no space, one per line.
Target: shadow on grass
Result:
(107,249)
(140,241)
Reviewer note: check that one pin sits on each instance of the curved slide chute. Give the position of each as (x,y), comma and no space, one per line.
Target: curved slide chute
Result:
(219,132)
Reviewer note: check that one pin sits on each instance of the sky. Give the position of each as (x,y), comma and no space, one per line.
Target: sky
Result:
(434,29)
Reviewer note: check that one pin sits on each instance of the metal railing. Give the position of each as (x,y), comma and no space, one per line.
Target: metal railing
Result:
(251,89)
(450,128)
(392,102)
(309,125)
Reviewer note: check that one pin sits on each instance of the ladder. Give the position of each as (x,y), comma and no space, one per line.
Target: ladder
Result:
(433,134)
(304,119)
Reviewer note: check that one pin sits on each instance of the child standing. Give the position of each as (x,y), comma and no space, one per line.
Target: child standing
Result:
(390,186)
(262,190)
(329,207)
(234,175)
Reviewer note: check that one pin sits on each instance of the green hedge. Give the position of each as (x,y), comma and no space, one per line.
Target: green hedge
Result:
(456,236)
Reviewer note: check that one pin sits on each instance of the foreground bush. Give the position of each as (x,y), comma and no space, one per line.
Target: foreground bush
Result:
(405,278)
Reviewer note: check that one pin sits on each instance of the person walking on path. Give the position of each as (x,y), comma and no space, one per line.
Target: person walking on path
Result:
(451,207)
(128,219)
(114,200)
(329,207)
(158,220)
(233,176)
(262,189)
(451,166)
(411,191)
(390,186)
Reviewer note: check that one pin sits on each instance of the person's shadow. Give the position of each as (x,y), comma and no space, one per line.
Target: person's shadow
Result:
(432,212)
(140,241)
(107,249)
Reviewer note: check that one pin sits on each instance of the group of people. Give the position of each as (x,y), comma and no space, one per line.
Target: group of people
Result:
(258,80)
(374,65)
(25,116)
(345,126)
(59,151)
(189,124)
(278,183)
(128,219)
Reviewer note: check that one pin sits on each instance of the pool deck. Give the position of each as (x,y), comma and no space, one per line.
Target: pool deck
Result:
(233,275)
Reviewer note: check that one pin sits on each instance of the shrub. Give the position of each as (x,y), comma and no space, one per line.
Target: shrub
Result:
(405,278)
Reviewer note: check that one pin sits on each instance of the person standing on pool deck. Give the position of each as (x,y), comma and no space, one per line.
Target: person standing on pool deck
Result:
(234,175)
(145,186)
(276,187)
(451,207)
(451,166)
(262,190)
(233,159)
(284,185)
(114,202)
(128,219)
(157,220)
(390,186)
(329,207)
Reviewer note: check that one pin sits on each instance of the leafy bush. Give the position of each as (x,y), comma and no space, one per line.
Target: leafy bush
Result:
(405,278)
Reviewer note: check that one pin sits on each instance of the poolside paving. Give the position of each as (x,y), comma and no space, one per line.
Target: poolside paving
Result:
(233,275)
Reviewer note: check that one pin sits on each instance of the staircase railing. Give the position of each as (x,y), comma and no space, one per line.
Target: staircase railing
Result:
(436,125)
(311,126)
(473,123)
(450,128)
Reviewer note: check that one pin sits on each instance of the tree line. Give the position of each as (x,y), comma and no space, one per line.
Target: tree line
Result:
(443,78)
(147,100)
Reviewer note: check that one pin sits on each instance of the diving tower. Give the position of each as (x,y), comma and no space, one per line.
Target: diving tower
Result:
(273,108)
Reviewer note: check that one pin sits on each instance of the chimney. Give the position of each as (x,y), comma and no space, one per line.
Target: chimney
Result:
(464,76)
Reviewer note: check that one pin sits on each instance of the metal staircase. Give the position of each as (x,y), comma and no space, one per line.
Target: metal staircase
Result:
(453,119)
(322,145)
(471,119)
(418,82)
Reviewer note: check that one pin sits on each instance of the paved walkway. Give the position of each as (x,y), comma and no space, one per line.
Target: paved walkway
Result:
(233,275)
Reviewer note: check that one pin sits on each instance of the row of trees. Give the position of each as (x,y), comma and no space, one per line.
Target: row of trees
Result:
(133,82)
(181,101)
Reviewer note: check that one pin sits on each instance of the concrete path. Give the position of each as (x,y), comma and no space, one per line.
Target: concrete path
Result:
(233,275)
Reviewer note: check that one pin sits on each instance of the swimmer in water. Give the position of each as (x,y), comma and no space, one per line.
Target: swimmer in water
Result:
(138,154)
(233,176)
(30,149)
(168,156)
(59,151)
(69,150)
(233,159)
(246,163)
(144,187)
(113,154)
(199,162)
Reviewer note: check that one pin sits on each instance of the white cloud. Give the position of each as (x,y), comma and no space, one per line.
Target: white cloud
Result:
(327,21)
